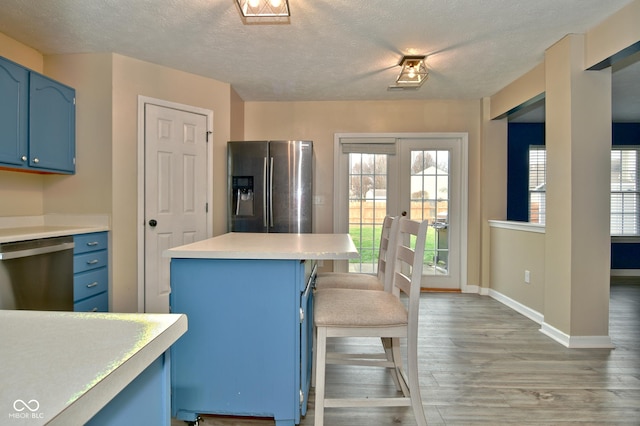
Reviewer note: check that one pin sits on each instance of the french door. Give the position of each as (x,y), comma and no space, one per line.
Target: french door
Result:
(422,176)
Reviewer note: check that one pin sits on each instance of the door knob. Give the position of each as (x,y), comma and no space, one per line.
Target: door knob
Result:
(153,223)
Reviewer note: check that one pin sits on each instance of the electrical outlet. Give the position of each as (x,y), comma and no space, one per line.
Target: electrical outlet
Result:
(527,276)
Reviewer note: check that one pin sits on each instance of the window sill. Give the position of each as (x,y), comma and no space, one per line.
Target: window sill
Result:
(632,239)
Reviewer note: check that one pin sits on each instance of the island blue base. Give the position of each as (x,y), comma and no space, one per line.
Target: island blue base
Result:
(247,351)
(144,401)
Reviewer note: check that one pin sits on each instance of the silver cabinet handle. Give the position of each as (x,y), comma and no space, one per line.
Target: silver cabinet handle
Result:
(95,309)
(92,262)
(93,284)
(36,160)
(92,243)
(23,158)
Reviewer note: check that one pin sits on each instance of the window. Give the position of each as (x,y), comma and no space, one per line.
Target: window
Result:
(537,180)
(624,191)
(625,188)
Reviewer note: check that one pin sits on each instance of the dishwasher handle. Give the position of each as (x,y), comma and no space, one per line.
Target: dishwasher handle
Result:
(35,251)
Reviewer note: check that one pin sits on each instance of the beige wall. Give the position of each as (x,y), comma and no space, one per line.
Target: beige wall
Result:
(132,77)
(237,117)
(614,34)
(513,252)
(493,194)
(24,190)
(21,53)
(319,121)
(89,190)
(520,92)
(578,145)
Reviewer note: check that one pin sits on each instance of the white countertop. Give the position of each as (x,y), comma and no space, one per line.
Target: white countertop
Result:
(241,245)
(67,366)
(8,235)
(21,228)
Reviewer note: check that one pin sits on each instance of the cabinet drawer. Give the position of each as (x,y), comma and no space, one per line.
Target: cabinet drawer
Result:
(88,261)
(90,242)
(90,283)
(98,303)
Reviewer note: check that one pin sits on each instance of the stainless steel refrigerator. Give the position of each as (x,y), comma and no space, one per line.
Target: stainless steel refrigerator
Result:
(270,186)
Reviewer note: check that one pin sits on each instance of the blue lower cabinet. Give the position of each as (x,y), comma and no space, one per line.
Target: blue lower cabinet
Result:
(99,303)
(247,351)
(145,401)
(90,273)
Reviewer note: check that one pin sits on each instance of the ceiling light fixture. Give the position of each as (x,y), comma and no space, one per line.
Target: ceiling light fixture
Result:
(414,72)
(264,8)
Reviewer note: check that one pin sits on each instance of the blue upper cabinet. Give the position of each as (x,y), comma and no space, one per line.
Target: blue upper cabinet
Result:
(52,125)
(14,95)
(37,121)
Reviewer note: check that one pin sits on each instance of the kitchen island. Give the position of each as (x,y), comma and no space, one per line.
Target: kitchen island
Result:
(249,301)
(66,368)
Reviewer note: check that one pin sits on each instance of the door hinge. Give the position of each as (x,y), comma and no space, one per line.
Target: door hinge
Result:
(208,133)
(206,207)
(301,315)
(301,397)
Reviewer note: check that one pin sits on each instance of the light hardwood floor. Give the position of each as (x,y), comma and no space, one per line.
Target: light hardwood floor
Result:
(483,363)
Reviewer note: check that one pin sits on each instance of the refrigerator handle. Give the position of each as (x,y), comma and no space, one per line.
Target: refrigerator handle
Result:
(264,193)
(271,192)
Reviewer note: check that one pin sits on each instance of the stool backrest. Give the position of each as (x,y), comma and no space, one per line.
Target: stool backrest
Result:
(408,263)
(386,253)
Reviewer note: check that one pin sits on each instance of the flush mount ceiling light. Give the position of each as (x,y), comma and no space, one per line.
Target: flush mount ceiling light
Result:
(414,72)
(264,8)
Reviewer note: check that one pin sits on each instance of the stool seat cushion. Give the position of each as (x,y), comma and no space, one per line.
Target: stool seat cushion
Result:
(348,280)
(335,307)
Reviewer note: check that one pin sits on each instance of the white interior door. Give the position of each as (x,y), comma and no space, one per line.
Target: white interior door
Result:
(175,200)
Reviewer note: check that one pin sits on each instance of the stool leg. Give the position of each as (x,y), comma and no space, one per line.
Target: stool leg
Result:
(394,354)
(321,349)
(414,383)
(314,356)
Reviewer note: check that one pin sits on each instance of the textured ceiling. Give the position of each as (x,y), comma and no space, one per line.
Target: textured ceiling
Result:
(329,49)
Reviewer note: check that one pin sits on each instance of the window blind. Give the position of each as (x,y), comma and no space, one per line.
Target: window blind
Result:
(384,146)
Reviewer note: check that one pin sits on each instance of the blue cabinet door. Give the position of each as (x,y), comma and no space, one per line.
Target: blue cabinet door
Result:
(14,97)
(241,355)
(52,124)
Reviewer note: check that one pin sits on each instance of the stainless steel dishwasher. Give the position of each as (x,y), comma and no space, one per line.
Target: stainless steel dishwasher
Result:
(37,274)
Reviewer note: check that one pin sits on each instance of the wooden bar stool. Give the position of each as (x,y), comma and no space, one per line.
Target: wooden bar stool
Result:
(340,312)
(362,281)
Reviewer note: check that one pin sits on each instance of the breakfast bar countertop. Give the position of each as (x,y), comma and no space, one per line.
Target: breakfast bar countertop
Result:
(246,245)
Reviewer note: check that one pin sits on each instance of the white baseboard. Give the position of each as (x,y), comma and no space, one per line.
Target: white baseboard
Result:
(533,315)
(577,342)
(470,289)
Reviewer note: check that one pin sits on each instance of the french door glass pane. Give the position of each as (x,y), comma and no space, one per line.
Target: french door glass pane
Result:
(367,208)
(430,201)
